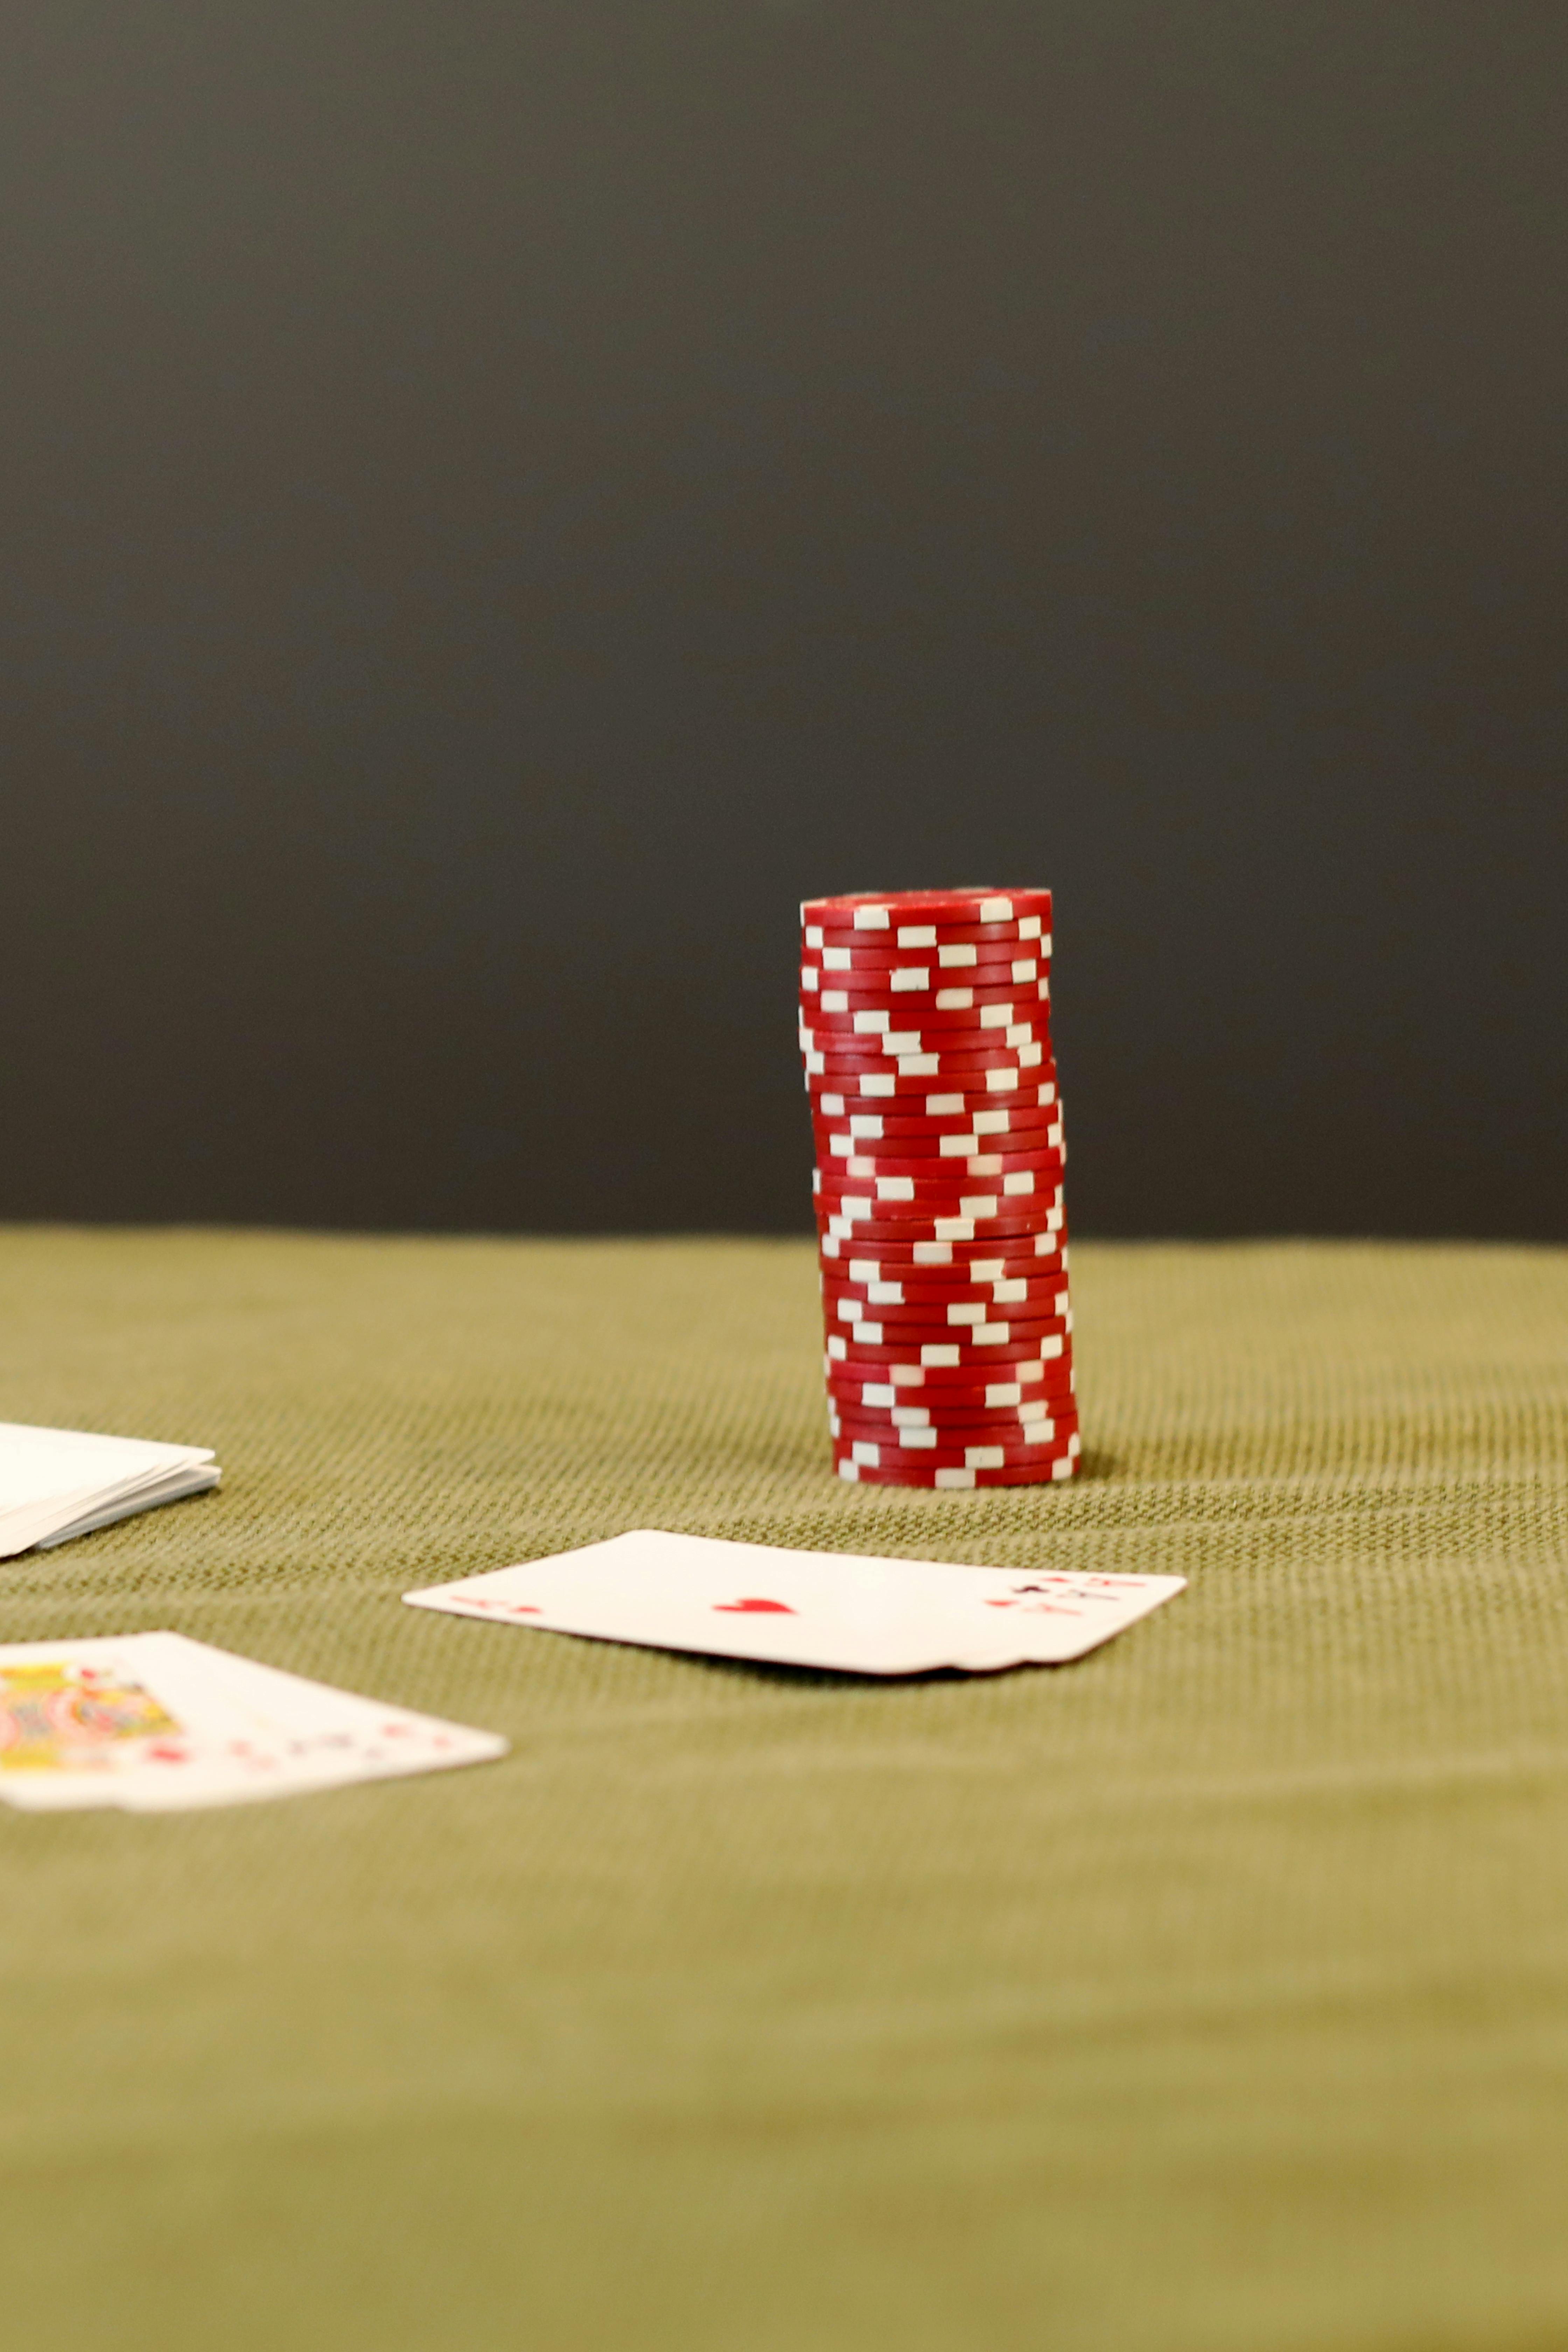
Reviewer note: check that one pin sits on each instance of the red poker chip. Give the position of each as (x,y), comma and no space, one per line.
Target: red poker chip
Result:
(838,1106)
(937,1284)
(1011,1440)
(1007,1402)
(835,1180)
(874,1397)
(883,1078)
(850,1212)
(1031,1088)
(953,1137)
(959,1405)
(1002,1426)
(1049,1363)
(929,1174)
(951,1389)
(896,1424)
(852,1027)
(866,1453)
(865,911)
(854,1154)
(927,1303)
(898,1362)
(978,1199)
(941,1177)
(835,1008)
(932,1168)
(839,1201)
(978,1342)
(895,1047)
(952,1435)
(1053,1467)
(851,1204)
(836,1036)
(922,975)
(920,1131)
(913,1323)
(1004,1155)
(918,980)
(870,1236)
(854,1273)
(891,1092)
(960,1396)
(880,951)
(972,1339)
(942,1282)
(943,1353)
(867,1087)
(1034,1252)
(930,989)
(929,1065)
(1031,1376)
(987,1451)
(921,938)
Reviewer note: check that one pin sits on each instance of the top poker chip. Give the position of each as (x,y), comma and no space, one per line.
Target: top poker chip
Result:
(875,911)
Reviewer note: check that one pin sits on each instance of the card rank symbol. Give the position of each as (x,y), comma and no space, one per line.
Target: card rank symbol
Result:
(754,1608)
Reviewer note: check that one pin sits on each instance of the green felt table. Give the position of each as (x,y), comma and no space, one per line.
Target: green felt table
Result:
(1210,1995)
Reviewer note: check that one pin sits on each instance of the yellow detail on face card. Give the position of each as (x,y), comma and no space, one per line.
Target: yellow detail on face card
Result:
(57,1715)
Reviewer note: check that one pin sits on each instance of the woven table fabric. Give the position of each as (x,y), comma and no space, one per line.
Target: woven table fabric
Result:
(1210,1995)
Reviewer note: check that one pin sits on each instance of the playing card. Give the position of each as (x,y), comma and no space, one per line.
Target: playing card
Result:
(59,1482)
(152,1722)
(318,1736)
(858,1614)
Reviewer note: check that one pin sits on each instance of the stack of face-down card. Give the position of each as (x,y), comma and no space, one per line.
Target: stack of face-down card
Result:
(59,1482)
(858,1615)
(153,1722)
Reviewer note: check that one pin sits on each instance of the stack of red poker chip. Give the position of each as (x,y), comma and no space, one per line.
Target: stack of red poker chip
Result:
(926,1029)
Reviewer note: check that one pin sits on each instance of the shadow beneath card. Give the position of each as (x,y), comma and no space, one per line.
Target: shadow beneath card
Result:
(835,1678)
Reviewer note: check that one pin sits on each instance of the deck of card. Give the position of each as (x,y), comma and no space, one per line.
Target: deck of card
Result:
(59,1482)
(154,1723)
(849,1613)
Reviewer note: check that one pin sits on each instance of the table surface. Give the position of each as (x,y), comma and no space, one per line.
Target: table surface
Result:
(1210,1995)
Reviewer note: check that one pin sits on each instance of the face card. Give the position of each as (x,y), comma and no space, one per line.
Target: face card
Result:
(854,1614)
(89,1723)
(154,1722)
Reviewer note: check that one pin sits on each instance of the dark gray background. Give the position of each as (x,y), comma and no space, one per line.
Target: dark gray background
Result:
(500,498)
